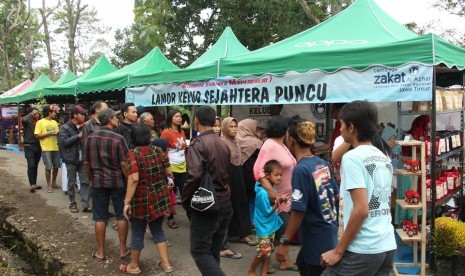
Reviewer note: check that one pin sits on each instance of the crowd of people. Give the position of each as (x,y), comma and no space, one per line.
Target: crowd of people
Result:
(275,187)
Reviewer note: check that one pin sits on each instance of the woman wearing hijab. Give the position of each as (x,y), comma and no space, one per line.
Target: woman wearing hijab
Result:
(250,147)
(240,225)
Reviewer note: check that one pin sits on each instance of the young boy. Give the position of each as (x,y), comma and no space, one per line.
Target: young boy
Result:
(266,219)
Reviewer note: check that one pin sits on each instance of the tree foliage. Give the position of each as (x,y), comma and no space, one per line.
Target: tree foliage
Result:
(456,7)
(185,29)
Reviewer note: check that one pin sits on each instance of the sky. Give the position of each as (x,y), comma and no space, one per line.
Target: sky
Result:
(118,14)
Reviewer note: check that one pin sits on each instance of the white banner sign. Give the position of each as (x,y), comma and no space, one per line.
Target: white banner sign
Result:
(411,82)
(9,112)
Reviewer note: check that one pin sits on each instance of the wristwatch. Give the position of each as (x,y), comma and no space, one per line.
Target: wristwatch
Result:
(283,240)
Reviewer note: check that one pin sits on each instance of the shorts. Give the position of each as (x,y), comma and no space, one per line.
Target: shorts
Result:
(101,201)
(353,264)
(285,218)
(51,160)
(265,245)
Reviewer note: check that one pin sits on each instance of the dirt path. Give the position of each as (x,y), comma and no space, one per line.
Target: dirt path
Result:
(45,218)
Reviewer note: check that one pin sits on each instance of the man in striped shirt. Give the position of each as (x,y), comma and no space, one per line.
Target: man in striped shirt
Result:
(106,170)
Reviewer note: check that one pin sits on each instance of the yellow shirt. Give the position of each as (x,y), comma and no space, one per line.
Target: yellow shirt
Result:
(43,126)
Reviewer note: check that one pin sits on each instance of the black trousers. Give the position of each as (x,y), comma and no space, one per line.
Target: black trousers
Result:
(207,234)
(33,155)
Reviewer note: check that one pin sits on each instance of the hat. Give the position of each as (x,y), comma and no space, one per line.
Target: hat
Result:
(77,109)
(105,115)
(140,109)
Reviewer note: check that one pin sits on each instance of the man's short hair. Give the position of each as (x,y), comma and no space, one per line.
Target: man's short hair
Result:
(363,116)
(206,115)
(46,111)
(31,108)
(105,115)
(96,105)
(125,107)
(276,126)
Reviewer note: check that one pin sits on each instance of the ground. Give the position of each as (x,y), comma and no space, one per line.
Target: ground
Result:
(45,219)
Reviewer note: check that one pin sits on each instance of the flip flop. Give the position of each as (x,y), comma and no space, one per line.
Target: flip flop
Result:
(73,208)
(124,268)
(128,252)
(32,190)
(271,271)
(290,268)
(50,191)
(249,242)
(87,210)
(94,255)
(233,255)
(167,270)
(38,187)
(172,224)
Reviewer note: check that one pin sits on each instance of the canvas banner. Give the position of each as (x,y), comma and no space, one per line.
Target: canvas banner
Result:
(412,82)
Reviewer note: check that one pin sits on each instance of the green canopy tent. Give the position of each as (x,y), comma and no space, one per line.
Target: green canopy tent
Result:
(207,64)
(100,68)
(67,77)
(153,62)
(361,53)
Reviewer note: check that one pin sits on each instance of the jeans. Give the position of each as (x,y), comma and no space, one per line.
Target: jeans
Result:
(72,171)
(138,227)
(207,235)
(33,155)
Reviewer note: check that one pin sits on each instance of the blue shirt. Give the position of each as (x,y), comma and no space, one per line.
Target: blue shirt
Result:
(266,220)
(313,192)
(366,167)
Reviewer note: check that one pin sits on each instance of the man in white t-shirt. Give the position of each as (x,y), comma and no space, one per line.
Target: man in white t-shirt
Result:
(368,245)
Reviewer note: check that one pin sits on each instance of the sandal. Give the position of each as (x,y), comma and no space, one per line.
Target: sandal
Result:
(233,255)
(249,242)
(166,270)
(73,208)
(127,253)
(124,269)
(87,210)
(172,224)
(100,259)
(32,190)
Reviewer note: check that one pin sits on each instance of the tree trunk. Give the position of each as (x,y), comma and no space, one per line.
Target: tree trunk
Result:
(71,36)
(51,65)
(308,11)
(6,63)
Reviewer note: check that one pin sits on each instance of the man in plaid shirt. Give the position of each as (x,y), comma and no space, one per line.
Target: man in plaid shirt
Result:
(106,169)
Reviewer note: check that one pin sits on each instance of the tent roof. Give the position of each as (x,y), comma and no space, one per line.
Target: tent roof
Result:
(15,90)
(153,62)
(100,68)
(66,77)
(33,91)
(361,36)
(226,46)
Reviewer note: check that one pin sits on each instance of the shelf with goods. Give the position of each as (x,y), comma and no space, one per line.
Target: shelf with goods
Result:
(407,233)
(443,110)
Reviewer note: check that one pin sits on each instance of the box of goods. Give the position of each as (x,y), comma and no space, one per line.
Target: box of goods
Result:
(439,106)
(448,98)
(421,106)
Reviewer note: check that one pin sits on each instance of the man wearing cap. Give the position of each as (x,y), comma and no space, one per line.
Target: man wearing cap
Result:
(106,169)
(70,144)
(46,131)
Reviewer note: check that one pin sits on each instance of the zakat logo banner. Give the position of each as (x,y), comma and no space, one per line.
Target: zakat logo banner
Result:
(412,79)
(411,82)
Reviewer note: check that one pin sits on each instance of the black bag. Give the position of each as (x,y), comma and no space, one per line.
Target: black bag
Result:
(204,201)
